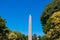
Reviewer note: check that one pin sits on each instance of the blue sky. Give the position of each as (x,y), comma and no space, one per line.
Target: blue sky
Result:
(16,13)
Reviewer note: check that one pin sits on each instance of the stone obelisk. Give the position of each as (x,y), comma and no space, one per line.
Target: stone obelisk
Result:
(30,28)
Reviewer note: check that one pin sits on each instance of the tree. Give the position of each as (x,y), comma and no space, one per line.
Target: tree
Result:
(26,37)
(12,36)
(51,20)
(49,10)
(34,37)
(7,34)
(54,31)
(3,29)
(21,36)
(39,38)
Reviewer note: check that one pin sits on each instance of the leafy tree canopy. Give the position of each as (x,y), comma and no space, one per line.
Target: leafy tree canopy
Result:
(52,7)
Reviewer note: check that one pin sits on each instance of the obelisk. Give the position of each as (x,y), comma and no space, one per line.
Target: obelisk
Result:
(30,28)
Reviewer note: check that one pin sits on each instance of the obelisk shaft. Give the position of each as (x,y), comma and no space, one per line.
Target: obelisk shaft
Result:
(30,28)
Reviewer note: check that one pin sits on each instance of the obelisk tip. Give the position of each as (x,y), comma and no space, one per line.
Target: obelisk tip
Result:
(29,15)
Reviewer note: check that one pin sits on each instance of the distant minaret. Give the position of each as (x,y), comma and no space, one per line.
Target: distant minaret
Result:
(30,28)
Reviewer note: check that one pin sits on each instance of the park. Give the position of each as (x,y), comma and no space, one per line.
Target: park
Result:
(50,20)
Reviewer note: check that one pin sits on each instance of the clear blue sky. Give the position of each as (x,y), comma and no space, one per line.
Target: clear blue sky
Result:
(16,13)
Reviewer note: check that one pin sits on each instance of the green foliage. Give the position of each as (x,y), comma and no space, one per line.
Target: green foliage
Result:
(39,38)
(51,20)
(7,34)
(12,36)
(34,37)
(49,10)
(21,36)
(3,29)
(52,27)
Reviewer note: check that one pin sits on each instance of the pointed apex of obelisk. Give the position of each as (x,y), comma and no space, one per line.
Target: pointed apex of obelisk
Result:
(29,15)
